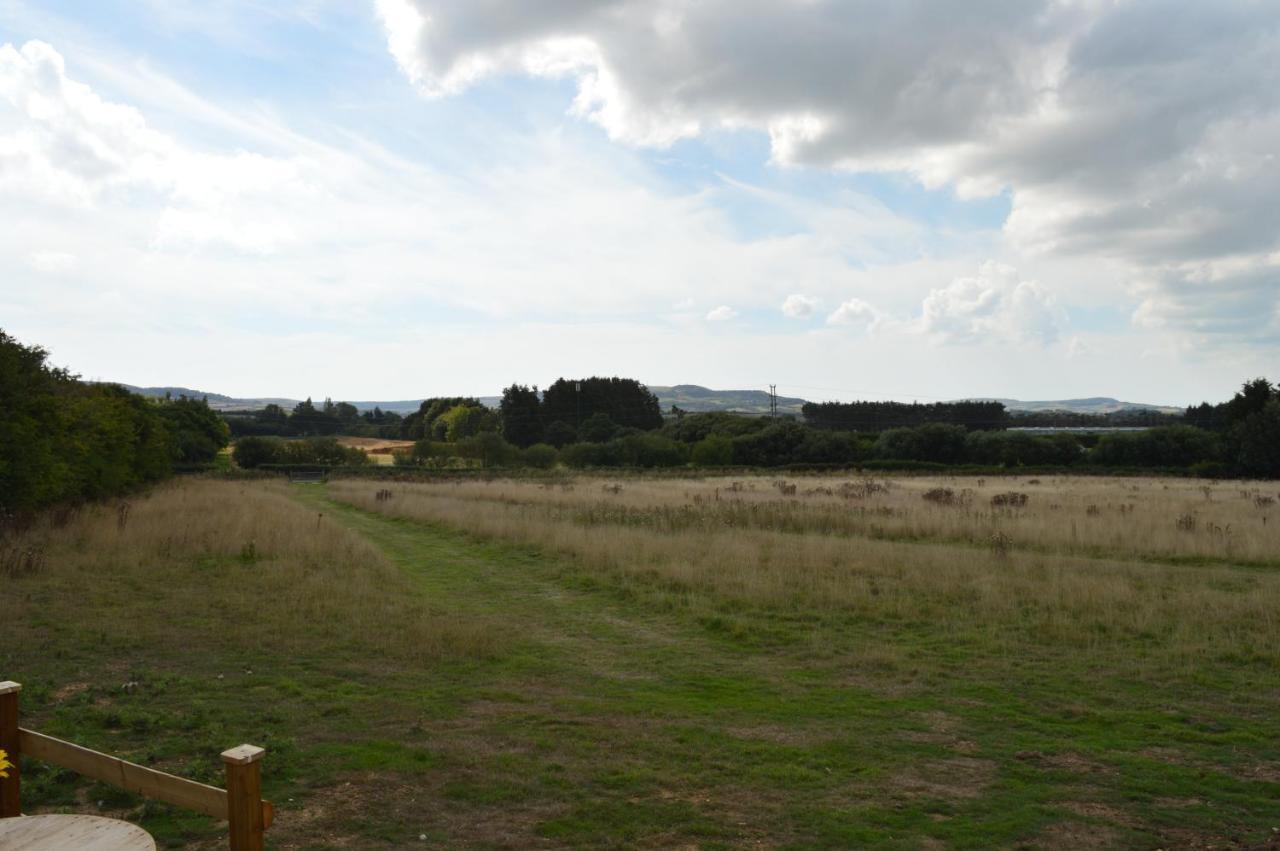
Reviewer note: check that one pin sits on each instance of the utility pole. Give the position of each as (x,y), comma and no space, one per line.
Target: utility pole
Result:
(577,397)
(773,401)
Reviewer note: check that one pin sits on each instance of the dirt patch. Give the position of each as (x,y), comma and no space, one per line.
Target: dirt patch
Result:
(1100,811)
(780,734)
(1268,772)
(69,690)
(957,778)
(1073,762)
(407,808)
(1075,835)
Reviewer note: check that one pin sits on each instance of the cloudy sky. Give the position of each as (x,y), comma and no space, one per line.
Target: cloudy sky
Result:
(401,198)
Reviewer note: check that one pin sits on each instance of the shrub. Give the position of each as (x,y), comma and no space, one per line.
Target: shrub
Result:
(1013,449)
(489,449)
(541,456)
(598,428)
(712,451)
(935,442)
(251,452)
(1169,446)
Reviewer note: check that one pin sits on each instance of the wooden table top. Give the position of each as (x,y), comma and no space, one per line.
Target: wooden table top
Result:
(72,833)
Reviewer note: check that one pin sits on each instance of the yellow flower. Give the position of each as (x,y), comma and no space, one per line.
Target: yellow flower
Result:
(4,763)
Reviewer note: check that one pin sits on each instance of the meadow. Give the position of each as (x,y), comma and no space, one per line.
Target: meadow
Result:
(583,661)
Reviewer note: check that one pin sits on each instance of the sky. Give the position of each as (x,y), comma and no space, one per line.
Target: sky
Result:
(395,199)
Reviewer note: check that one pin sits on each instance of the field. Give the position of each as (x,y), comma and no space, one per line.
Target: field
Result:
(379,450)
(762,662)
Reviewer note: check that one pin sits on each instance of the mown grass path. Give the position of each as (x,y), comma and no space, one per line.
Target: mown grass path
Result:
(612,714)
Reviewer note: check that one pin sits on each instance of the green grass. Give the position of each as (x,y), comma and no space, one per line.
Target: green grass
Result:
(616,712)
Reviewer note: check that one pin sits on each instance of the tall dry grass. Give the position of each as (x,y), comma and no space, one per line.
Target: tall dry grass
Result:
(821,552)
(1127,518)
(202,564)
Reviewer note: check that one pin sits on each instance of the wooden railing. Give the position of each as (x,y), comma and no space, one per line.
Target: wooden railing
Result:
(240,804)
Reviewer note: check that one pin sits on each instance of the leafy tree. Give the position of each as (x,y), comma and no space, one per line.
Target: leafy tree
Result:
(1252,399)
(714,450)
(772,446)
(1257,441)
(692,428)
(198,433)
(521,414)
(937,442)
(881,416)
(541,456)
(1013,449)
(421,423)
(489,449)
(598,428)
(463,421)
(64,440)
(560,434)
(626,401)
(252,452)
(1173,446)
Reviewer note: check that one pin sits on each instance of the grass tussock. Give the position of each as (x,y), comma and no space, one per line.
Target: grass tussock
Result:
(207,563)
(1038,570)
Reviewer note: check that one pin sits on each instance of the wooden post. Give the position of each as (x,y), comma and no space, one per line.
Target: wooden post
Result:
(10,799)
(244,797)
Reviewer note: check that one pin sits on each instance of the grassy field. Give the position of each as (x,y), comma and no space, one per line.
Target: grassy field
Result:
(817,662)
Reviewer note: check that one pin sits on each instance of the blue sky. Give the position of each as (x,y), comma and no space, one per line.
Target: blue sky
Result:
(403,198)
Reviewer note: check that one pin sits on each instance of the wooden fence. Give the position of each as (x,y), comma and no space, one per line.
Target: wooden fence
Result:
(240,804)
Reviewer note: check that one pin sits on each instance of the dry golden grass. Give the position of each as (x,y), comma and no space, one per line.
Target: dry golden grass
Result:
(223,562)
(1129,518)
(1054,572)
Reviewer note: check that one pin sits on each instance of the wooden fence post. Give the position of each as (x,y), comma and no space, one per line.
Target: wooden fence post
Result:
(10,799)
(244,797)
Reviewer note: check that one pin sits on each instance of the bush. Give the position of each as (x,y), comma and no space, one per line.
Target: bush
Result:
(1171,446)
(251,452)
(712,451)
(322,451)
(540,455)
(1016,449)
(560,434)
(693,428)
(772,446)
(489,449)
(651,450)
(935,442)
(598,428)
(1257,441)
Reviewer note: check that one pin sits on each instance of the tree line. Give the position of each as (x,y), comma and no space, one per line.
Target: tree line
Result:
(620,425)
(65,440)
(305,419)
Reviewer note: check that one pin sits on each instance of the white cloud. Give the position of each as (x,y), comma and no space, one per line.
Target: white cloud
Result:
(51,262)
(723,313)
(993,306)
(799,306)
(855,312)
(1144,132)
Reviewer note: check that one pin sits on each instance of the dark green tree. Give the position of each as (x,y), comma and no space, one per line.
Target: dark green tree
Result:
(626,401)
(197,432)
(521,414)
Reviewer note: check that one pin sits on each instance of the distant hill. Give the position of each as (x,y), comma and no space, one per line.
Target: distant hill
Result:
(688,397)
(217,401)
(1091,405)
(692,397)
